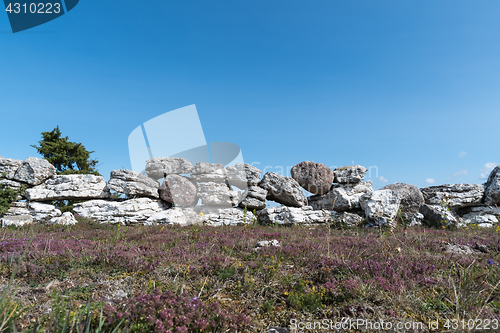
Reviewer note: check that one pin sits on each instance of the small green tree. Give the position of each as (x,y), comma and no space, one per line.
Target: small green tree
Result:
(66,156)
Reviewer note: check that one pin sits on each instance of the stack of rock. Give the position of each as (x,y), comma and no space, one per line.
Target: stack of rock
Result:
(247,178)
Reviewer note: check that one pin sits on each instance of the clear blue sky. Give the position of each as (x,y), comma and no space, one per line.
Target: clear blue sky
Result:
(410,87)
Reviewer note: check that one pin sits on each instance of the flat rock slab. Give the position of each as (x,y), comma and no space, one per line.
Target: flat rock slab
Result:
(454,195)
(315,178)
(284,190)
(174,216)
(243,175)
(133,183)
(34,171)
(160,167)
(69,187)
(208,172)
(215,217)
(133,211)
(8,167)
(295,216)
(218,194)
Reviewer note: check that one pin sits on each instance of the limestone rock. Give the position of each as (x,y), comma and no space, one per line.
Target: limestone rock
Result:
(349,174)
(438,216)
(8,167)
(413,219)
(381,207)
(65,219)
(410,195)
(207,172)
(34,171)
(292,215)
(218,194)
(347,219)
(345,196)
(455,195)
(284,190)
(16,220)
(214,216)
(69,187)
(178,190)
(175,216)
(131,211)
(43,213)
(243,175)
(10,183)
(133,183)
(492,188)
(482,216)
(267,243)
(316,178)
(157,167)
(256,192)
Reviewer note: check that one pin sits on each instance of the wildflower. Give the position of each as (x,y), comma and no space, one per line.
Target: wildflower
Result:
(162,228)
(202,214)
(490,261)
(398,249)
(286,293)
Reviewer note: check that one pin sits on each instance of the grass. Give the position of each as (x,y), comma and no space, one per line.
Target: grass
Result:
(211,279)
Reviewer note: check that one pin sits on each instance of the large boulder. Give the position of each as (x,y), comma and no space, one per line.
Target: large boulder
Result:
(284,190)
(158,167)
(316,178)
(349,174)
(209,172)
(243,175)
(492,188)
(8,167)
(381,207)
(218,194)
(254,198)
(175,216)
(178,190)
(69,187)
(133,211)
(345,196)
(438,216)
(410,195)
(133,183)
(34,171)
(454,195)
(295,216)
(214,216)
(346,219)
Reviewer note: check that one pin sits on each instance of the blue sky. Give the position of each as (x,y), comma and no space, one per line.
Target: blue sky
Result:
(409,88)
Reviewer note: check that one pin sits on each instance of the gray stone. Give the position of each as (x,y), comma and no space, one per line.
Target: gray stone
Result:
(381,207)
(133,211)
(178,190)
(410,195)
(295,216)
(454,195)
(243,175)
(492,188)
(207,172)
(214,216)
(256,192)
(43,213)
(349,174)
(157,167)
(268,243)
(316,178)
(34,171)
(69,187)
(345,196)
(65,219)
(284,190)
(438,216)
(252,203)
(8,167)
(480,218)
(218,194)
(133,183)
(348,219)
(10,183)
(413,219)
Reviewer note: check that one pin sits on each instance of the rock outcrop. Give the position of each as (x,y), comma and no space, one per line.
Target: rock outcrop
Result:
(158,167)
(295,216)
(315,178)
(283,190)
(438,216)
(34,171)
(254,198)
(345,196)
(492,188)
(218,194)
(243,175)
(349,174)
(381,207)
(206,172)
(178,190)
(8,167)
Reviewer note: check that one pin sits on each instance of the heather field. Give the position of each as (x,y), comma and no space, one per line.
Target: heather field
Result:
(104,278)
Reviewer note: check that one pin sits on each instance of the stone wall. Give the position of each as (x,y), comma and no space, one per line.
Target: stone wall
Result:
(216,195)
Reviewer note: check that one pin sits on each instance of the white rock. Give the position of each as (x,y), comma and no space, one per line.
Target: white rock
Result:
(174,216)
(207,172)
(131,211)
(34,171)
(157,167)
(66,219)
(293,215)
(479,218)
(284,190)
(217,194)
(10,183)
(69,187)
(243,175)
(133,183)
(18,220)
(345,196)
(214,216)
(273,242)
(8,167)
(43,213)
(349,174)
(381,207)
(439,216)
